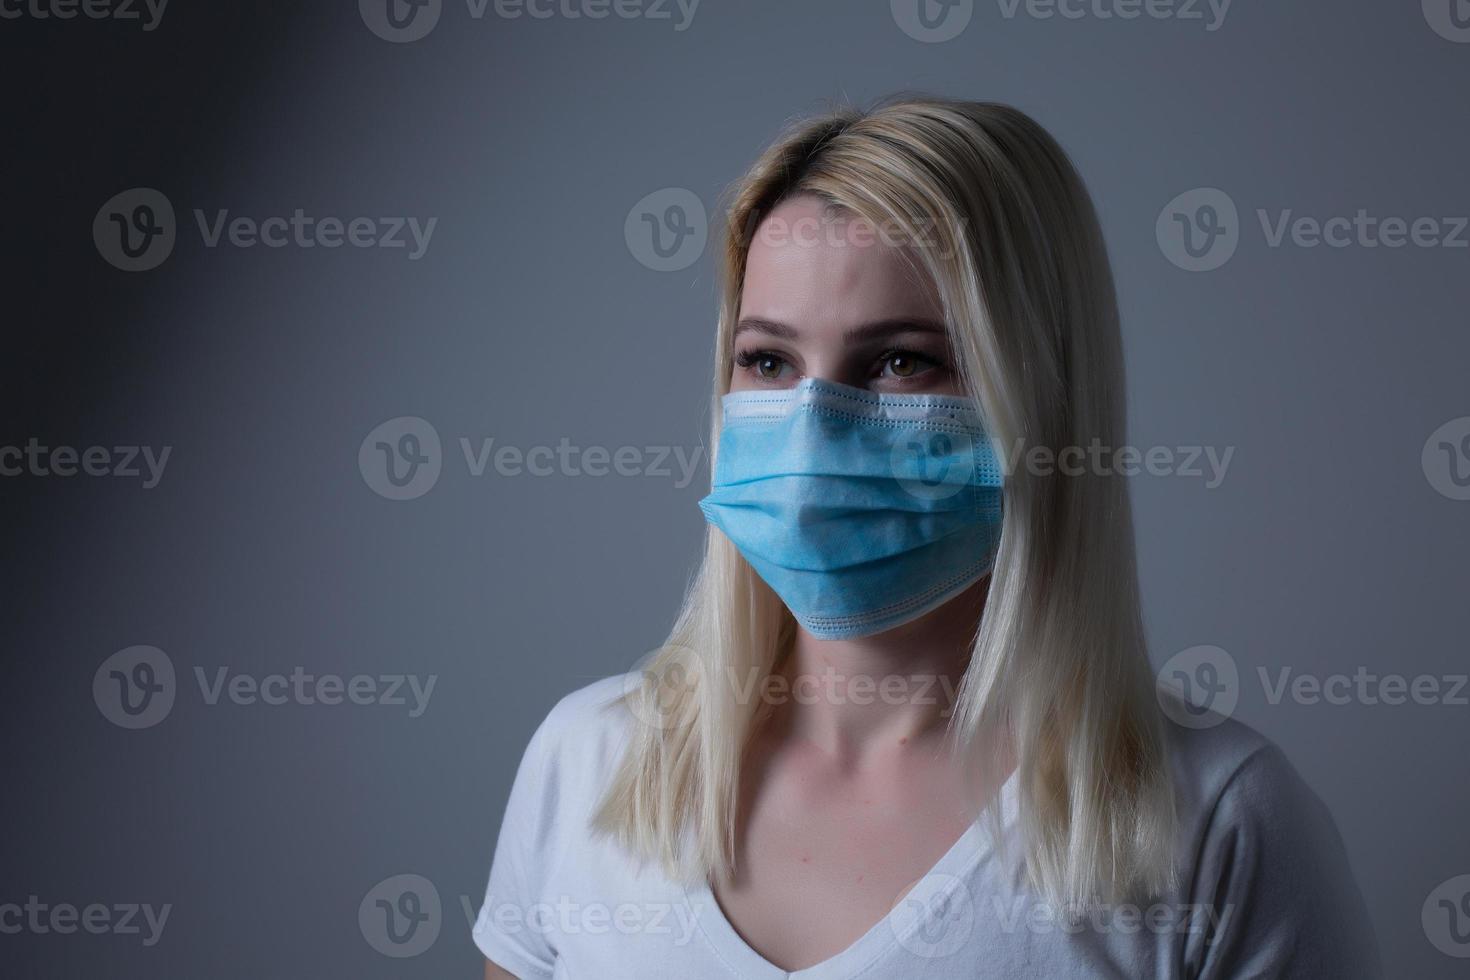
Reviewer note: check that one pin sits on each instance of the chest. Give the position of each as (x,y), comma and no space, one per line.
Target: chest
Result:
(822,860)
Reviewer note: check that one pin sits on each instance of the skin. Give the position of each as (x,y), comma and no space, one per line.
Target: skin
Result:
(847,805)
(848,798)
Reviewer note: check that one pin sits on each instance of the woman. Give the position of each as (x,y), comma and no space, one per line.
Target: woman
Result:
(905,724)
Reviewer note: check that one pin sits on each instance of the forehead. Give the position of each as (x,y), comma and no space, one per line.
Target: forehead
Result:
(809,267)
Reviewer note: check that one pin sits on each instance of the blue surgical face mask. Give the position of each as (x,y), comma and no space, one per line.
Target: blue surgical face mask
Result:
(861,510)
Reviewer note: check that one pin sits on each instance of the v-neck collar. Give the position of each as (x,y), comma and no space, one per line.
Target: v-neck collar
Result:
(901,926)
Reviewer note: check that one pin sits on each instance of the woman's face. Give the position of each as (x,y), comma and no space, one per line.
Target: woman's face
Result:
(829,298)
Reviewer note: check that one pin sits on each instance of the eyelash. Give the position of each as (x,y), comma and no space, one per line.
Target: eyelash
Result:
(749,358)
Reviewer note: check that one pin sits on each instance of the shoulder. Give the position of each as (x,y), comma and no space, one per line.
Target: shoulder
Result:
(579,742)
(1232,782)
(1211,756)
(1228,775)
(1263,854)
(564,771)
(590,710)
(590,715)
(543,838)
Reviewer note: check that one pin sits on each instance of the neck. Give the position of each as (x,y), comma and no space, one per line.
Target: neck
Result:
(892,692)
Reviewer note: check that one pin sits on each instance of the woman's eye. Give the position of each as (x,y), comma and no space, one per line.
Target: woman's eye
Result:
(904,364)
(763,364)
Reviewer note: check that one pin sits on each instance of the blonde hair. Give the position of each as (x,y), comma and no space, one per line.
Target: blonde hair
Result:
(1013,246)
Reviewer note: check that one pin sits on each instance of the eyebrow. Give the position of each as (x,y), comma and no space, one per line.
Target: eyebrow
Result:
(876,330)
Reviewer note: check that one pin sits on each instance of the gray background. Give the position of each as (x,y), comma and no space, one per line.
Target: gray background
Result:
(530,320)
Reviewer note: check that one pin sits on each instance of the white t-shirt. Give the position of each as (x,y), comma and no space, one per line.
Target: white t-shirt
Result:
(1265,888)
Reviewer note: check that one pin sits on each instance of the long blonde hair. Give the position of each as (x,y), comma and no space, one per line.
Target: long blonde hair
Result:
(1013,246)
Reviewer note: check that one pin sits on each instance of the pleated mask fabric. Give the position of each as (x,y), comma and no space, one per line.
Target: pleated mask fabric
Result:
(862,510)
